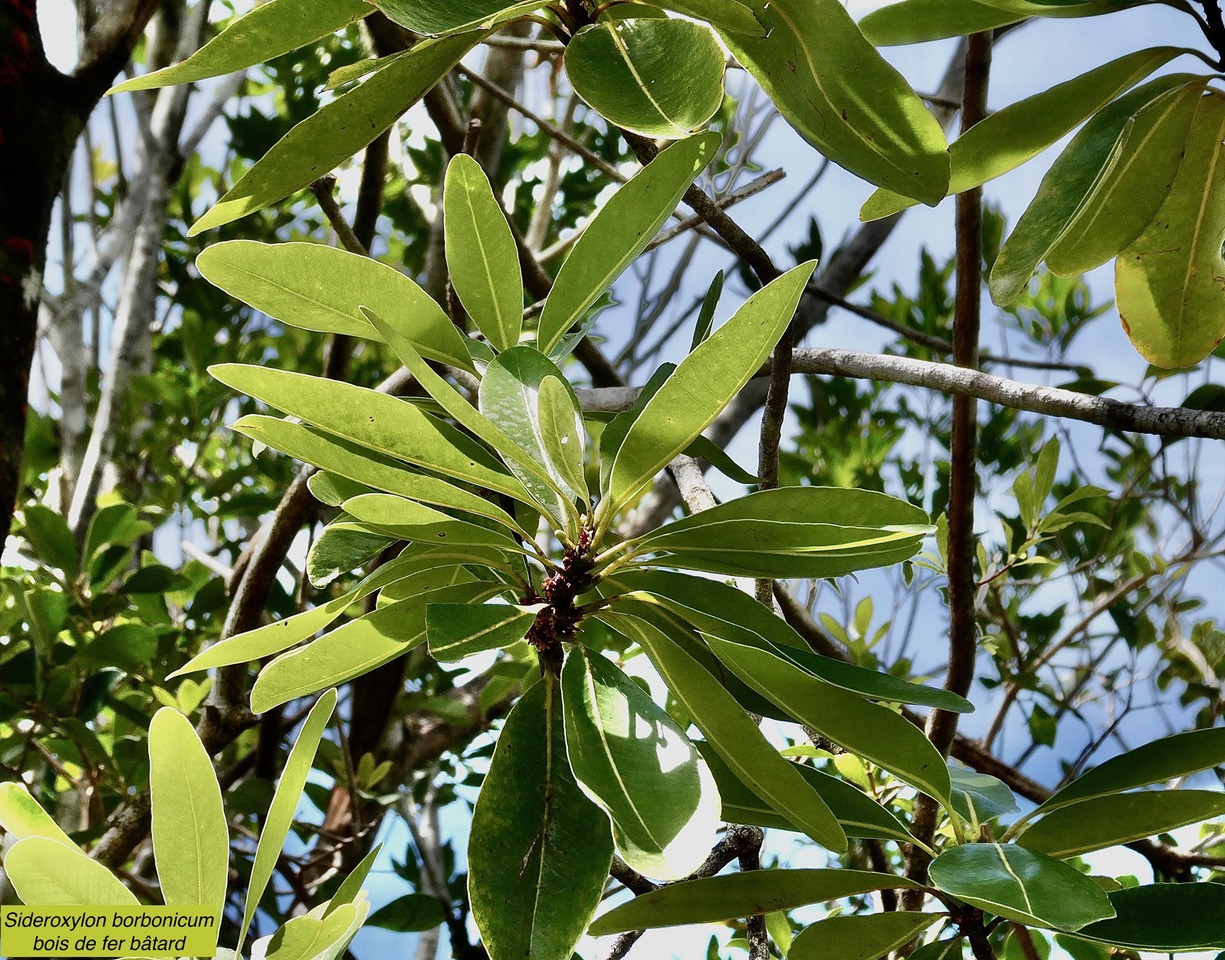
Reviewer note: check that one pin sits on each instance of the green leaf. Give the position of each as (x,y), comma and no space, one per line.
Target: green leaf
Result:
(1020,885)
(713,606)
(458,630)
(655,76)
(756,535)
(859,815)
(633,760)
(701,386)
(1076,174)
(844,98)
(50,538)
(1127,198)
(736,895)
(1166,759)
(320,288)
(355,463)
(539,851)
(191,838)
(730,731)
(436,17)
(351,888)
(284,805)
(866,729)
(1167,282)
(338,130)
(307,937)
(1119,818)
(1164,918)
(706,449)
(565,439)
(511,399)
(409,520)
(979,797)
(411,913)
(342,547)
(357,647)
(917,21)
(377,421)
(613,434)
(46,872)
(619,232)
(481,254)
(268,31)
(859,937)
(333,489)
(706,316)
(724,14)
(1022,130)
(22,817)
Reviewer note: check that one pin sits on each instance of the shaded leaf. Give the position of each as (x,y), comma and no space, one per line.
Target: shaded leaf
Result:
(859,937)
(1164,918)
(436,17)
(458,630)
(725,14)
(979,797)
(409,520)
(342,547)
(411,913)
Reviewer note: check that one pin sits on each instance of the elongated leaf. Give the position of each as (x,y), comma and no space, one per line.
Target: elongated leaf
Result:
(706,316)
(1168,283)
(47,872)
(561,429)
(917,21)
(357,647)
(284,805)
(721,609)
(701,386)
(436,17)
(633,760)
(22,817)
(458,630)
(510,399)
(351,888)
(619,232)
(725,14)
(539,851)
(867,729)
(1120,818)
(859,937)
(657,76)
(979,797)
(191,839)
(1127,199)
(1022,130)
(413,521)
(731,732)
(1166,759)
(1086,163)
(735,895)
(315,287)
(613,434)
(844,98)
(459,408)
(307,937)
(1164,918)
(1063,8)
(338,130)
(859,815)
(358,464)
(268,31)
(340,548)
(481,255)
(382,423)
(1020,885)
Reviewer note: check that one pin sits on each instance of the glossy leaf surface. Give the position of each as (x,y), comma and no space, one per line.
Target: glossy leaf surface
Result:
(917,21)
(1164,918)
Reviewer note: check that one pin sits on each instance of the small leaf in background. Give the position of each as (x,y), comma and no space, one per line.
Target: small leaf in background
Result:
(539,851)
(633,760)
(619,232)
(22,817)
(656,76)
(1164,918)
(284,805)
(736,895)
(1167,282)
(46,872)
(411,913)
(844,98)
(481,254)
(1020,885)
(1119,818)
(321,288)
(859,937)
(338,130)
(191,838)
(268,31)
(458,630)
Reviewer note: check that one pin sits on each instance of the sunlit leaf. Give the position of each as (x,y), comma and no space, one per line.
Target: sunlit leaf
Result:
(22,817)
(47,872)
